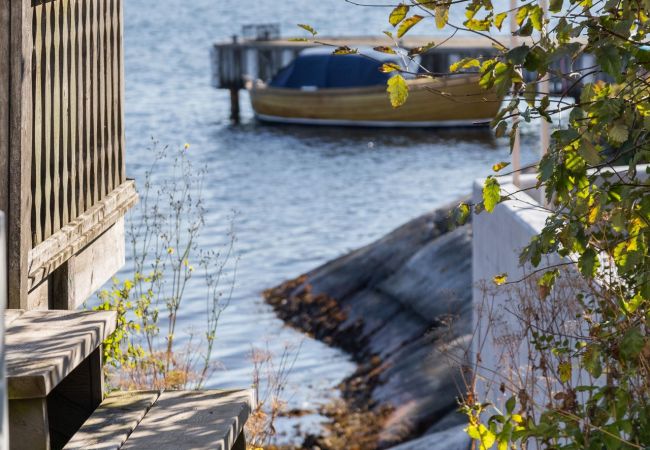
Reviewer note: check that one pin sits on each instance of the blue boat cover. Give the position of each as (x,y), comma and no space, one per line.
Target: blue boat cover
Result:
(321,69)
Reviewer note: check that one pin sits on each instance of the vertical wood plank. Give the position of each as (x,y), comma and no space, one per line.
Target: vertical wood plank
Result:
(37,134)
(94,101)
(20,153)
(101,98)
(108,69)
(120,55)
(80,135)
(72,106)
(56,118)
(86,64)
(47,119)
(65,112)
(115,74)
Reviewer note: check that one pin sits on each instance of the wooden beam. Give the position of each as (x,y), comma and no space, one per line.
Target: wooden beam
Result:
(44,347)
(5,53)
(65,243)
(20,151)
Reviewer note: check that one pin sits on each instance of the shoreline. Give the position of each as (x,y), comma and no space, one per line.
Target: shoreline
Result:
(401,307)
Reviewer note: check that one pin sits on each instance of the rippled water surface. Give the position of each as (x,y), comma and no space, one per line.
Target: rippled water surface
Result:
(303,195)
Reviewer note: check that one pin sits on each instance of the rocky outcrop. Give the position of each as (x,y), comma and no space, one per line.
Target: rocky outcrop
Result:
(402,307)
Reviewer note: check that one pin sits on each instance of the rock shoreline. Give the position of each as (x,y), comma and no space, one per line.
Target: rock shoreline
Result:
(401,307)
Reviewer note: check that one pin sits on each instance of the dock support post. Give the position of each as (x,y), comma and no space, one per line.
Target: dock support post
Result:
(234,105)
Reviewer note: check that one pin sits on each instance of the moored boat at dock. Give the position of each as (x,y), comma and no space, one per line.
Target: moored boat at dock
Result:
(320,88)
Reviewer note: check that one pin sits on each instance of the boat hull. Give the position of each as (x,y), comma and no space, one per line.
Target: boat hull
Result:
(438,102)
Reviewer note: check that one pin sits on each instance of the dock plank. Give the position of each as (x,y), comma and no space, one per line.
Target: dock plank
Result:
(194,420)
(43,347)
(112,423)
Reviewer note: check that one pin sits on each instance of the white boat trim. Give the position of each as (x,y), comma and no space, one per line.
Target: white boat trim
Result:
(373,123)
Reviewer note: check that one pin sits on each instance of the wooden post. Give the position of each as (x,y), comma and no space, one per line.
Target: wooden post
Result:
(20,151)
(234,105)
(4,421)
(29,425)
(5,53)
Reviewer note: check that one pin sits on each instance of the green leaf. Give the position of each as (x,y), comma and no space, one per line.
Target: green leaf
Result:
(591,361)
(588,263)
(297,39)
(589,152)
(537,17)
(308,28)
(632,343)
(491,193)
(398,90)
(500,165)
(555,5)
(618,133)
(518,55)
(609,59)
(548,279)
(398,14)
(501,129)
(461,214)
(407,24)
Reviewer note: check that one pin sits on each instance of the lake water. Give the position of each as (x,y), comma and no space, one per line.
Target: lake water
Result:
(303,195)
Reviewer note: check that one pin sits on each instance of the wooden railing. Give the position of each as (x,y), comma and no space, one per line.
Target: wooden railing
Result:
(61,133)
(77,81)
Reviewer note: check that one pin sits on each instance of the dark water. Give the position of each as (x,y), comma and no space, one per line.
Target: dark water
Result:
(304,195)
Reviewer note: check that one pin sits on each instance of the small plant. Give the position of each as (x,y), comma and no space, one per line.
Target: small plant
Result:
(270,377)
(145,351)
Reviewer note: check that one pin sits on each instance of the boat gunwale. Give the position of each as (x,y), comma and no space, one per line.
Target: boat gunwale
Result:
(414,84)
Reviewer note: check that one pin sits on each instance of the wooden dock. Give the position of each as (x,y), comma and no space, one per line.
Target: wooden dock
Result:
(235,62)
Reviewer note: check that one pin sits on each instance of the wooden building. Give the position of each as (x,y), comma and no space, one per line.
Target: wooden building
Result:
(64,191)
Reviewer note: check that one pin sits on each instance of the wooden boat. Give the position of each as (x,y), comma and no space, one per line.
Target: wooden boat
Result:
(312,99)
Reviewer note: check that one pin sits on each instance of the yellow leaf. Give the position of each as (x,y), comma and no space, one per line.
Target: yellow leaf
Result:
(408,24)
(564,370)
(500,165)
(384,49)
(308,28)
(593,214)
(500,279)
(389,67)
(398,14)
(498,20)
(442,15)
(398,91)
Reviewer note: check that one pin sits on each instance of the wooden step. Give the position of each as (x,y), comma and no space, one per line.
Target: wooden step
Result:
(53,372)
(145,420)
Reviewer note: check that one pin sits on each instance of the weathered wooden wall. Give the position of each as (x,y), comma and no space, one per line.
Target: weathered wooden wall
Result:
(78,124)
(62,149)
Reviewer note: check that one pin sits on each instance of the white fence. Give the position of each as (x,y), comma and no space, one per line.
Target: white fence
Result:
(501,346)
